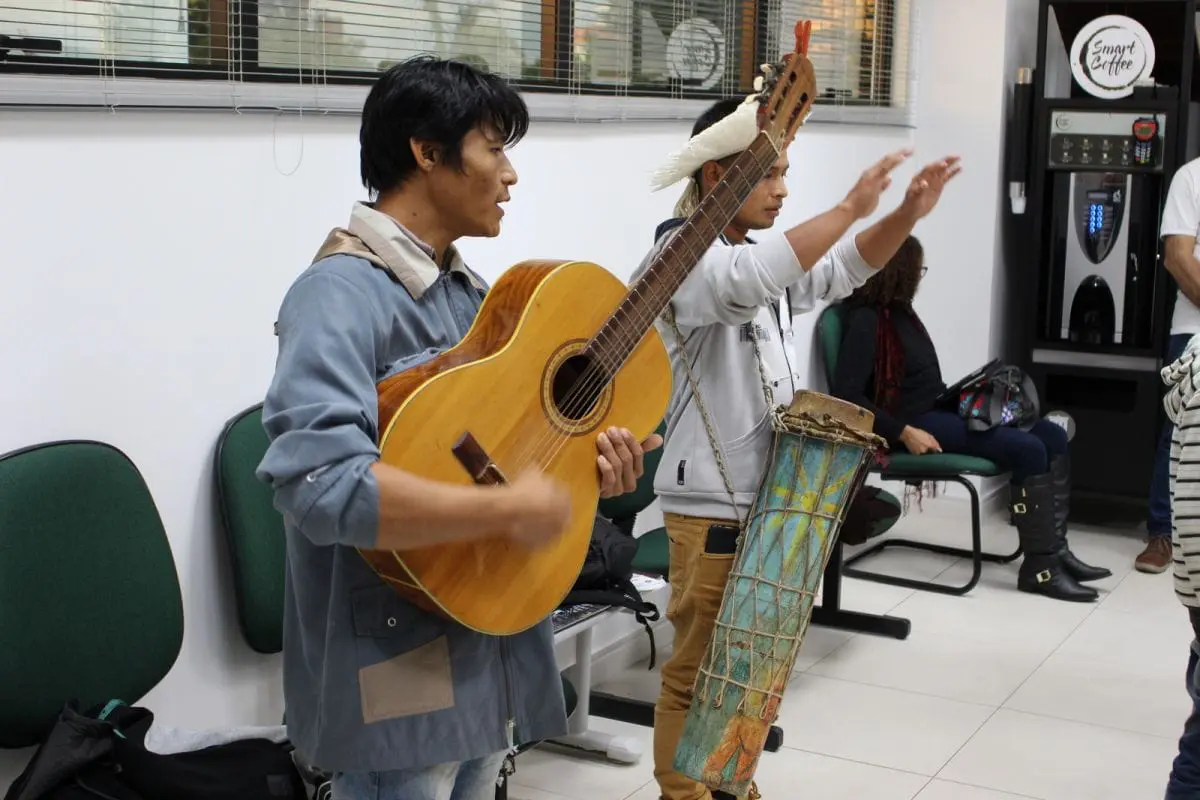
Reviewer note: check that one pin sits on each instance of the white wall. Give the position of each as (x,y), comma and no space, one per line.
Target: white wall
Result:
(146,255)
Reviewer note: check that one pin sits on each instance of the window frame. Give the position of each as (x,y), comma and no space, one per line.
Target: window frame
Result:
(64,82)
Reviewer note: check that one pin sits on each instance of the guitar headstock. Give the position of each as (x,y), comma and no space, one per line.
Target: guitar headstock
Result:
(786,91)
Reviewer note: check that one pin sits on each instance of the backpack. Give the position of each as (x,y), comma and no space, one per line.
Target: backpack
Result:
(103,756)
(606,577)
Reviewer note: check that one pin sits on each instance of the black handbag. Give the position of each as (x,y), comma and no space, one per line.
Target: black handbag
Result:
(103,756)
(1003,395)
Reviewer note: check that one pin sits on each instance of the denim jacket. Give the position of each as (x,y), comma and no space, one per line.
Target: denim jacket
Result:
(371,682)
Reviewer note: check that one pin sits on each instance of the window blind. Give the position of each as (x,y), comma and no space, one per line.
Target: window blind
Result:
(575,59)
(862,55)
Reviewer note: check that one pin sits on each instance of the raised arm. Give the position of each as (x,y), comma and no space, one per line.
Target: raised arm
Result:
(730,284)
(849,265)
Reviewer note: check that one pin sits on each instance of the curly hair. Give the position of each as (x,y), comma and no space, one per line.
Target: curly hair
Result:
(897,282)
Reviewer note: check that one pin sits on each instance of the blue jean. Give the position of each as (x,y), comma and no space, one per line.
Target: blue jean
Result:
(455,780)
(1022,453)
(1158,522)
(1184,783)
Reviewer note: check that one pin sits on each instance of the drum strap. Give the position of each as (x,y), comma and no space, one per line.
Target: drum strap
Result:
(709,428)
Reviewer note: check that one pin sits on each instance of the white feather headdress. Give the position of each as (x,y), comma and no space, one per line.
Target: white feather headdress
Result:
(731,135)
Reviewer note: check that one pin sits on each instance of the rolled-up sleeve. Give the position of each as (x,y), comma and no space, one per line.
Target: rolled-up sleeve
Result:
(731,283)
(321,412)
(834,277)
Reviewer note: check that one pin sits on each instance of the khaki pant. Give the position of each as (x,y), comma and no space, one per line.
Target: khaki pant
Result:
(697,585)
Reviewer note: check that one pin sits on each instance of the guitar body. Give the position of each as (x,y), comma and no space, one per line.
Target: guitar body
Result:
(508,384)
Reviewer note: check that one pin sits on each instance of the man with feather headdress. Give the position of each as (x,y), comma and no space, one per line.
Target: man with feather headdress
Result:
(729,331)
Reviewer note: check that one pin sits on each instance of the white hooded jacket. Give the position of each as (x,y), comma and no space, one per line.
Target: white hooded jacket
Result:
(736,294)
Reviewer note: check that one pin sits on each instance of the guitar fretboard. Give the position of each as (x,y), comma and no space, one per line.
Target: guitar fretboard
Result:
(650,294)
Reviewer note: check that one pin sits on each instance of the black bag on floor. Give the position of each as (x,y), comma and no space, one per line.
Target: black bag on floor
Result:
(103,757)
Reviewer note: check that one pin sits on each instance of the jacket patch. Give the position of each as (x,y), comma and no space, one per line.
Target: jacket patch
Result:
(750,331)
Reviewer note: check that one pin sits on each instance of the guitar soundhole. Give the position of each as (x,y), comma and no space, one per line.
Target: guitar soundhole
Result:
(577,386)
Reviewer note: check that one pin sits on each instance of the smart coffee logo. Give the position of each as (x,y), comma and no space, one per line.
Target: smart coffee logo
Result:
(696,52)
(1111,54)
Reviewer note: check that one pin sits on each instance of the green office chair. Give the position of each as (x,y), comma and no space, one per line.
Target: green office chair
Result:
(253,531)
(90,605)
(915,470)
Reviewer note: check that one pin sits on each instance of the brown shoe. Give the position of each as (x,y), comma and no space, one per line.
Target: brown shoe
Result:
(1157,555)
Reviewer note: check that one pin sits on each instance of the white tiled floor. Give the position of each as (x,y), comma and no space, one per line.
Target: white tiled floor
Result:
(997,695)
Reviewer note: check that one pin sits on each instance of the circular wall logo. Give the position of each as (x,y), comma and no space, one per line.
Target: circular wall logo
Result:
(1111,54)
(1064,421)
(696,52)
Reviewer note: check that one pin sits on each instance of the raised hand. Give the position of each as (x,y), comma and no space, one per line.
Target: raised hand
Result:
(864,197)
(926,187)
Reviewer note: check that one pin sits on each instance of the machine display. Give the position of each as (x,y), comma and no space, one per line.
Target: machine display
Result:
(1106,185)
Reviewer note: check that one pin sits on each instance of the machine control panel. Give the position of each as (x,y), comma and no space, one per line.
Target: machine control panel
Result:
(1125,141)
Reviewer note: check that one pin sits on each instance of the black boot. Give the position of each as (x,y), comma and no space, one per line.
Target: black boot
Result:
(1042,569)
(1060,471)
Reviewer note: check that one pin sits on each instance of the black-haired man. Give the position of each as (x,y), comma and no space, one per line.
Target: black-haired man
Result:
(398,703)
(739,301)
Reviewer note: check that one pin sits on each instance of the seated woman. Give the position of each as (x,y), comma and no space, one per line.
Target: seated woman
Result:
(888,364)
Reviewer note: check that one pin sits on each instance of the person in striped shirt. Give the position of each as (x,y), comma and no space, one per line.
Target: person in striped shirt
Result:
(1182,404)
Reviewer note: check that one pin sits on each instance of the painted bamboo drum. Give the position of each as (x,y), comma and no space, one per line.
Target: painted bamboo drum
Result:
(822,450)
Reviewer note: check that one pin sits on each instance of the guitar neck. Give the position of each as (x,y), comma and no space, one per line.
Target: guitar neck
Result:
(651,293)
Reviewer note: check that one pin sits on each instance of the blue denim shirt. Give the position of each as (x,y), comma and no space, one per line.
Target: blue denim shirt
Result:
(371,682)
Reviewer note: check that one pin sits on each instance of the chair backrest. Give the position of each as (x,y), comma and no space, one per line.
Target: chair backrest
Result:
(829,339)
(253,531)
(623,508)
(90,605)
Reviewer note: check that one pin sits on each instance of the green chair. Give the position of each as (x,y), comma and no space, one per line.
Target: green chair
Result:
(253,531)
(90,605)
(914,470)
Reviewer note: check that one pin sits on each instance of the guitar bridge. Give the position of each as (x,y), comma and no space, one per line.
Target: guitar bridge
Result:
(477,462)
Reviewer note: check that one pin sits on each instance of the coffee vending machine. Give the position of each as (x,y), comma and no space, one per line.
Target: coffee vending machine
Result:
(1097,130)
(1105,171)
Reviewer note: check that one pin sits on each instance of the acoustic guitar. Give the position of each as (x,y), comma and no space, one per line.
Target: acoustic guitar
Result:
(559,351)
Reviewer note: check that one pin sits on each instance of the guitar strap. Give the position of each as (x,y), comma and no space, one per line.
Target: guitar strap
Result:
(342,242)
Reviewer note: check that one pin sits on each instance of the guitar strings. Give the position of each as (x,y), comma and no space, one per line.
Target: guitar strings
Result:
(603,368)
(590,384)
(594,378)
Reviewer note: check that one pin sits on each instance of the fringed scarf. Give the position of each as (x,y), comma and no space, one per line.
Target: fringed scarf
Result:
(889,372)
(889,355)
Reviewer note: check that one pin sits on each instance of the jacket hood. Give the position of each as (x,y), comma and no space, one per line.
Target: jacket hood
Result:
(1182,378)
